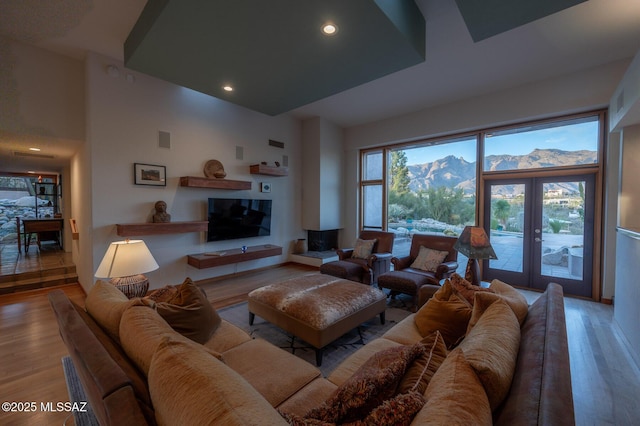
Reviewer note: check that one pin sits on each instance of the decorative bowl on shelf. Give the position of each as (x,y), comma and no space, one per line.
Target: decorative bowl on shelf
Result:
(214,168)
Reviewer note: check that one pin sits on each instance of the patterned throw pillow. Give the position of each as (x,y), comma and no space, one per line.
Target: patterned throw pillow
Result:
(429,259)
(363,248)
(466,289)
(373,383)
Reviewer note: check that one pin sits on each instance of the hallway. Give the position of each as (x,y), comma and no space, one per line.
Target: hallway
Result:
(39,268)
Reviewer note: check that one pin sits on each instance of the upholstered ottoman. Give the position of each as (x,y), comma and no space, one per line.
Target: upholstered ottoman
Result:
(317,308)
(403,282)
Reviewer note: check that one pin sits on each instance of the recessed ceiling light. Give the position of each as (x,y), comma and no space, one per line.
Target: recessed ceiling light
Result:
(329,29)
(34,149)
(227,88)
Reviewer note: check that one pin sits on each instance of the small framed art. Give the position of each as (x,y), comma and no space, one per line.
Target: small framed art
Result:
(265,187)
(149,174)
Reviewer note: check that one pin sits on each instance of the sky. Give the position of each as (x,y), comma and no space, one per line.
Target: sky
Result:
(571,137)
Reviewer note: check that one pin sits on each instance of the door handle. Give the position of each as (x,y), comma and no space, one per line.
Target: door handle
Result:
(538,240)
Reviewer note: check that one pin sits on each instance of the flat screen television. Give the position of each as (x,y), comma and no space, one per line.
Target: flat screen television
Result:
(231,218)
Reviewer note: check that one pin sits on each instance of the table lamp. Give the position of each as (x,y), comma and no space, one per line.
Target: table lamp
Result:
(474,243)
(125,262)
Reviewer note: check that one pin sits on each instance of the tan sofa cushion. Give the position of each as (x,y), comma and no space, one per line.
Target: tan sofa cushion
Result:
(513,298)
(105,303)
(275,373)
(455,395)
(142,330)
(223,396)
(405,332)
(491,348)
(190,313)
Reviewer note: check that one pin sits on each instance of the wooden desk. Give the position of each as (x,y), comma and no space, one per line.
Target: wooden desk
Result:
(45,229)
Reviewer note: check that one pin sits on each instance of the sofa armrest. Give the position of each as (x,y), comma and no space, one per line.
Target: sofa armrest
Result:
(401,262)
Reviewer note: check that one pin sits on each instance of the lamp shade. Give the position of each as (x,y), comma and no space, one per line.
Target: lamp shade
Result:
(474,243)
(126,258)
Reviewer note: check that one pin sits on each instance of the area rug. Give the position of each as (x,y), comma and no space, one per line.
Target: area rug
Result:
(77,395)
(334,353)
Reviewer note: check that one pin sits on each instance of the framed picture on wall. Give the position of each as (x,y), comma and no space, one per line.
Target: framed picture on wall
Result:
(149,174)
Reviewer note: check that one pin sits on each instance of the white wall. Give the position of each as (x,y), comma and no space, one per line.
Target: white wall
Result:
(123,120)
(322,175)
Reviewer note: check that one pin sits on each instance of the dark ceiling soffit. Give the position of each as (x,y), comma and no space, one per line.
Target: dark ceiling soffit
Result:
(273,51)
(486,18)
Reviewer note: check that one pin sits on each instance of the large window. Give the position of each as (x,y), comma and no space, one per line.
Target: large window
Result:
(554,144)
(431,186)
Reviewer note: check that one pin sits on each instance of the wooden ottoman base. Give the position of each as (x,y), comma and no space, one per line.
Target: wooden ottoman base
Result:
(317,308)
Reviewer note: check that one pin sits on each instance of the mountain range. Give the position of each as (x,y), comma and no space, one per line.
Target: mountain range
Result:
(456,172)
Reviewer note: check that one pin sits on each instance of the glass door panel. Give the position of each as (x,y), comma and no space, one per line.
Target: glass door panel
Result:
(540,229)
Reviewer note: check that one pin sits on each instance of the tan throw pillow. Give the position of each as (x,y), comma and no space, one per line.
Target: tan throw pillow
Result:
(513,298)
(429,259)
(491,348)
(363,248)
(190,387)
(373,383)
(466,289)
(106,304)
(449,316)
(190,313)
(455,396)
(422,369)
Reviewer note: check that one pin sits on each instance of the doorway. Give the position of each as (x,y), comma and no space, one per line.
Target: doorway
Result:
(541,229)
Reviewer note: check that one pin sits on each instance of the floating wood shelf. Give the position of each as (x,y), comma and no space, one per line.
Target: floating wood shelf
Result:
(228,257)
(203,182)
(261,169)
(131,229)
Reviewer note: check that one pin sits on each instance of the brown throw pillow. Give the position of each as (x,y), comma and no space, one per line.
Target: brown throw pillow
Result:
(466,289)
(429,259)
(363,248)
(422,369)
(449,316)
(190,313)
(373,383)
(163,294)
(399,410)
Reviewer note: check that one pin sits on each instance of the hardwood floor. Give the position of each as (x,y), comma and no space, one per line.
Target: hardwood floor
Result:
(604,377)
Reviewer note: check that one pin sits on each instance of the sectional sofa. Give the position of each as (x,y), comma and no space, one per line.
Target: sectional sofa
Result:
(137,369)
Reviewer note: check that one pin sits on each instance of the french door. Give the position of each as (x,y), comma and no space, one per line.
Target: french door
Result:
(542,231)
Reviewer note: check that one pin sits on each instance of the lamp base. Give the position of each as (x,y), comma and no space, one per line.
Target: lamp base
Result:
(132,286)
(472,273)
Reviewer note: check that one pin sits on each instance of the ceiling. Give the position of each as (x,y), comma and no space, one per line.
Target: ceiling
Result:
(455,67)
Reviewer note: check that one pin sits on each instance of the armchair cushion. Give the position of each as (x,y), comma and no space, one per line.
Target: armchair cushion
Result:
(429,259)
(363,248)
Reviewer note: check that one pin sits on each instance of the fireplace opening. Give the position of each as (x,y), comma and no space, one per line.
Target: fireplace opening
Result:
(322,240)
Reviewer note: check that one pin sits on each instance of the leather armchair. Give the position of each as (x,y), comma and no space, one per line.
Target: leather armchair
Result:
(435,242)
(408,280)
(366,270)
